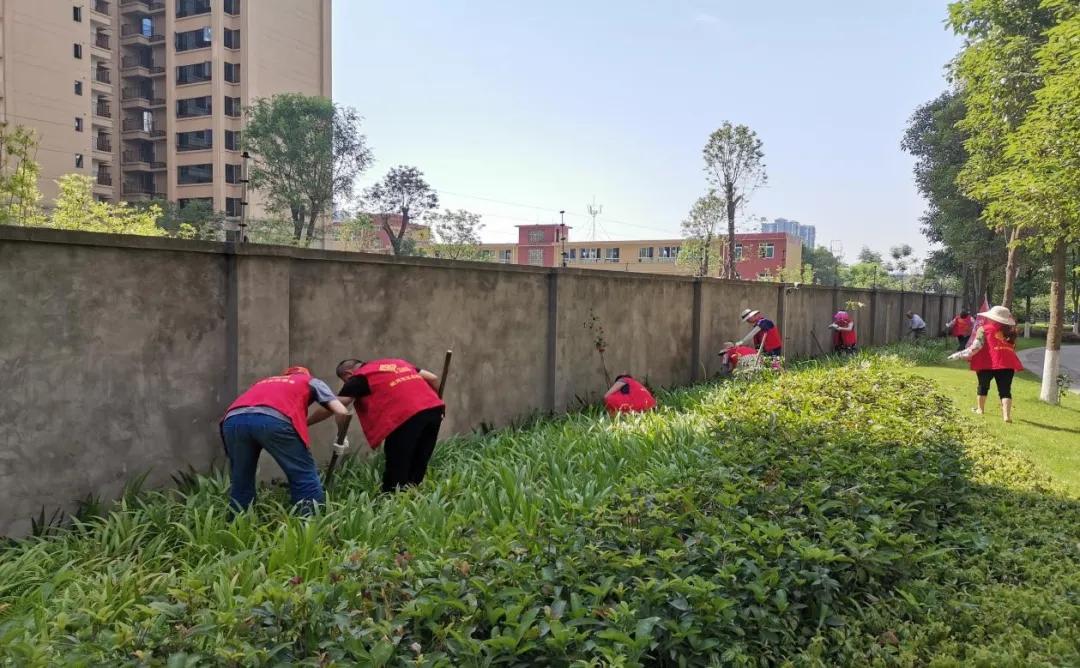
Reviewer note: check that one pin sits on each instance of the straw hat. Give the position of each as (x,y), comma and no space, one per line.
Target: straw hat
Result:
(748,314)
(1000,314)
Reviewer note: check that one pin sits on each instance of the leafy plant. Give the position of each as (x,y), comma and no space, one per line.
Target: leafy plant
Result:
(596,328)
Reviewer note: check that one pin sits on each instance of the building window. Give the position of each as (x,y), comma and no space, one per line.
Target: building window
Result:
(763,275)
(504,256)
(78,124)
(76,14)
(193,39)
(234,206)
(573,254)
(232,140)
(232,173)
(194,106)
(78,161)
(590,253)
(536,256)
(232,39)
(198,140)
(232,7)
(536,236)
(738,251)
(188,201)
(669,252)
(192,8)
(78,50)
(197,73)
(766,251)
(232,107)
(232,72)
(191,174)
(645,253)
(612,255)
(78,88)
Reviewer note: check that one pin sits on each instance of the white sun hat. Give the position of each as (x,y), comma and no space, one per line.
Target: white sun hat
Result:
(749,313)
(1000,314)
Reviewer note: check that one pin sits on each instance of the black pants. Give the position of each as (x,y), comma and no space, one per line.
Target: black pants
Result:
(1003,378)
(775,352)
(408,449)
(962,341)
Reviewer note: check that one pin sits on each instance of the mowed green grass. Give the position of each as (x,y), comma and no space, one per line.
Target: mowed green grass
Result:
(1047,435)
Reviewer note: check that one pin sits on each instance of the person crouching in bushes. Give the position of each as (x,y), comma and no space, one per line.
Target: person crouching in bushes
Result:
(628,396)
(992,356)
(844,338)
(765,334)
(961,327)
(730,356)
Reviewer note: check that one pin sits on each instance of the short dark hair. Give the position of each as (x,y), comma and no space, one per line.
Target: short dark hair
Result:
(347,365)
(965,313)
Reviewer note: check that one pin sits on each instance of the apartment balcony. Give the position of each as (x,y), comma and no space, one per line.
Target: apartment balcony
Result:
(102,75)
(133,98)
(102,41)
(141,7)
(134,128)
(131,66)
(133,160)
(133,34)
(103,110)
(101,7)
(141,192)
(103,144)
(104,180)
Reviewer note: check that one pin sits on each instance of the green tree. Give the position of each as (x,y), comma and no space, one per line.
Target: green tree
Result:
(867,256)
(307,152)
(20,199)
(735,165)
(357,233)
(823,265)
(457,235)
(700,229)
(193,220)
(1038,191)
(77,209)
(404,192)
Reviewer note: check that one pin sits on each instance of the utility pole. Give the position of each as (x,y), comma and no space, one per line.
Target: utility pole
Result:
(562,234)
(594,210)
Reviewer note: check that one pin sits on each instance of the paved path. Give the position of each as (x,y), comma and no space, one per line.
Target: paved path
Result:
(1070,363)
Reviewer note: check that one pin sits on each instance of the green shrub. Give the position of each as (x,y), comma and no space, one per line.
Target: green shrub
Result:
(837,514)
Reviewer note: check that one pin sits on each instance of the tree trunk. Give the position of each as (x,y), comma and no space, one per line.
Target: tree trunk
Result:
(729,268)
(399,244)
(297,221)
(1012,265)
(704,271)
(311,224)
(1052,360)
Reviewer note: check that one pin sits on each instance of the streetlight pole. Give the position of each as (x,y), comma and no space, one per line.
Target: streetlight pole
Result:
(562,234)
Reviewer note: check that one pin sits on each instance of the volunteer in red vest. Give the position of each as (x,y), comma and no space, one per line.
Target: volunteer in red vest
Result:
(397,404)
(961,327)
(764,332)
(731,355)
(272,415)
(844,337)
(628,396)
(992,356)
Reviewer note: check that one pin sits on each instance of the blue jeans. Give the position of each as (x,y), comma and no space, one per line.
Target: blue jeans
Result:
(246,436)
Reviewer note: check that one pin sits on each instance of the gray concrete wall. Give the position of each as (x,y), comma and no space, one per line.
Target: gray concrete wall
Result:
(123,352)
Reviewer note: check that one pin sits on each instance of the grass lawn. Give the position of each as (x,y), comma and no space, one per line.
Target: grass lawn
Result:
(1047,435)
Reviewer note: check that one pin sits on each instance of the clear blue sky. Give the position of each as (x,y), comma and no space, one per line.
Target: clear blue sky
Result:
(548,104)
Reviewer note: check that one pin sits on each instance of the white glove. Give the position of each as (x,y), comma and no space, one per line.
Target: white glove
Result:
(341,448)
(834,326)
(955,356)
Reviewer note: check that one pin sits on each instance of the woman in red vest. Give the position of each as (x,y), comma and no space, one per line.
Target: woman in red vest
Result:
(961,327)
(730,356)
(272,415)
(396,403)
(628,396)
(765,334)
(993,357)
(844,337)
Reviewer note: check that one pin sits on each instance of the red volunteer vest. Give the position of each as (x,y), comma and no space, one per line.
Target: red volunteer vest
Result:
(846,339)
(963,326)
(772,339)
(638,400)
(738,352)
(288,395)
(997,352)
(397,393)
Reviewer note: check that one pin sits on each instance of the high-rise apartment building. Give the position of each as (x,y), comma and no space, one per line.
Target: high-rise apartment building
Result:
(808,233)
(147,95)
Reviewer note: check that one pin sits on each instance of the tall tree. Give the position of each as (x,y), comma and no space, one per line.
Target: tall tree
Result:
(76,208)
(735,165)
(901,259)
(20,199)
(700,228)
(457,235)
(307,152)
(824,266)
(1039,190)
(973,252)
(403,191)
(998,76)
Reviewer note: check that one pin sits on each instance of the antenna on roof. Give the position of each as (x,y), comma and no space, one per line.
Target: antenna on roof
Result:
(594,210)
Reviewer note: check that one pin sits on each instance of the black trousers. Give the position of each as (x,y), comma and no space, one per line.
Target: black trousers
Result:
(962,341)
(408,449)
(1003,378)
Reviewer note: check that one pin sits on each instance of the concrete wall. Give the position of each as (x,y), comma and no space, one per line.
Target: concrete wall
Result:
(121,353)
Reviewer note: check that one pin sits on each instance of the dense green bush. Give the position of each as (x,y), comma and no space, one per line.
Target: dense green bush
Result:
(833,515)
